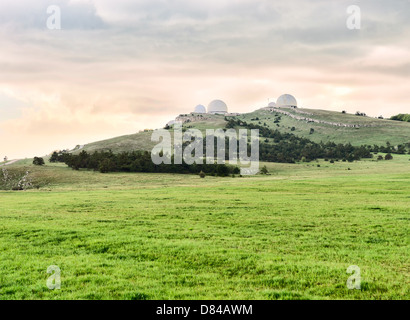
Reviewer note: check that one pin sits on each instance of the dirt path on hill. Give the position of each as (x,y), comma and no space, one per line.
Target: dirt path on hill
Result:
(8,163)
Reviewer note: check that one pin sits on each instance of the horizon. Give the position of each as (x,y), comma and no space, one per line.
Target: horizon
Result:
(116,68)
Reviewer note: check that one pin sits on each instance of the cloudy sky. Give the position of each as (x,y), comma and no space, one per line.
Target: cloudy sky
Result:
(117,67)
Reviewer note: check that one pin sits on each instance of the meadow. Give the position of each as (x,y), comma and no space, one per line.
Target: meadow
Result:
(288,235)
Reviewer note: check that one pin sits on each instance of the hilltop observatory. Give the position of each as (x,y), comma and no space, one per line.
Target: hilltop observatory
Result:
(200,109)
(217,107)
(286,101)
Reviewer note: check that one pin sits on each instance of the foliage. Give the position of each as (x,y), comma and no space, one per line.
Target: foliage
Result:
(388,157)
(264,170)
(38,161)
(58,156)
(140,161)
(289,148)
(401,117)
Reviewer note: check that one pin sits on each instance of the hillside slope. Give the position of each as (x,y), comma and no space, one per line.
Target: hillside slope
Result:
(327,126)
(333,126)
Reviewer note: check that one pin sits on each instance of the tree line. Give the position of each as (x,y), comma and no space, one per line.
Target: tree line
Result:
(136,161)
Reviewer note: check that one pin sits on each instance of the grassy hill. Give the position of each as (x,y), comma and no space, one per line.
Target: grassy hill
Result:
(368,131)
(327,125)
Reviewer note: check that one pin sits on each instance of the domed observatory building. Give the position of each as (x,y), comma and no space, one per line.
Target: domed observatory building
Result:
(200,109)
(272,105)
(217,107)
(286,101)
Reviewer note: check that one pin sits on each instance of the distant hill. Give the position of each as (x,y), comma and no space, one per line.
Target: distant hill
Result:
(313,124)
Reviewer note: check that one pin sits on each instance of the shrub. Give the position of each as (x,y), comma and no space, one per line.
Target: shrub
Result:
(388,157)
(264,170)
(202,174)
(38,161)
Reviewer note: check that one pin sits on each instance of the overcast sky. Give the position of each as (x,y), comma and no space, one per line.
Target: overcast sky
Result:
(117,67)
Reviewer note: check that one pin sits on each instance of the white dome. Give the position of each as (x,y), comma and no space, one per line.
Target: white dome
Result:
(217,106)
(272,105)
(286,100)
(200,109)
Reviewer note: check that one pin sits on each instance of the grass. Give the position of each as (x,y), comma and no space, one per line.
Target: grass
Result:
(378,131)
(288,235)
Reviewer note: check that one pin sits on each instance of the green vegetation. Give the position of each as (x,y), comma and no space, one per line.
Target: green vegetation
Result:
(401,117)
(286,147)
(140,161)
(288,235)
(370,131)
(38,161)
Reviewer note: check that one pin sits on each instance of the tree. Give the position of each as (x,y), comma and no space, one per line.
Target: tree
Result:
(54,157)
(106,166)
(388,157)
(38,161)
(222,170)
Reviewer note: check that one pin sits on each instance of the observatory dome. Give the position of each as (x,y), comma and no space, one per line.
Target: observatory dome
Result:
(200,109)
(286,101)
(217,106)
(272,105)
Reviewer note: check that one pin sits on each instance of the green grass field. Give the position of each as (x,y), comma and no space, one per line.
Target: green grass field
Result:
(288,235)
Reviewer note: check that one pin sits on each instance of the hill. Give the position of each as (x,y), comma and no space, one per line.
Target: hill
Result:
(313,124)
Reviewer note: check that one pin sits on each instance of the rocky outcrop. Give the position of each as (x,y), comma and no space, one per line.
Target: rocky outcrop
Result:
(192,117)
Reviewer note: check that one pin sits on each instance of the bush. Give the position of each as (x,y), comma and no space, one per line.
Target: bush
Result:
(38,161)
(264,170)
(202,174)
(388,157)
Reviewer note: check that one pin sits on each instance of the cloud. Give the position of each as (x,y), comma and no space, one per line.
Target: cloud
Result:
(120,66)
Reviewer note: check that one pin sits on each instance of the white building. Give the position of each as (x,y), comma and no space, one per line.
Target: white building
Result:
(217,107)
(200,109)
(286,101)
